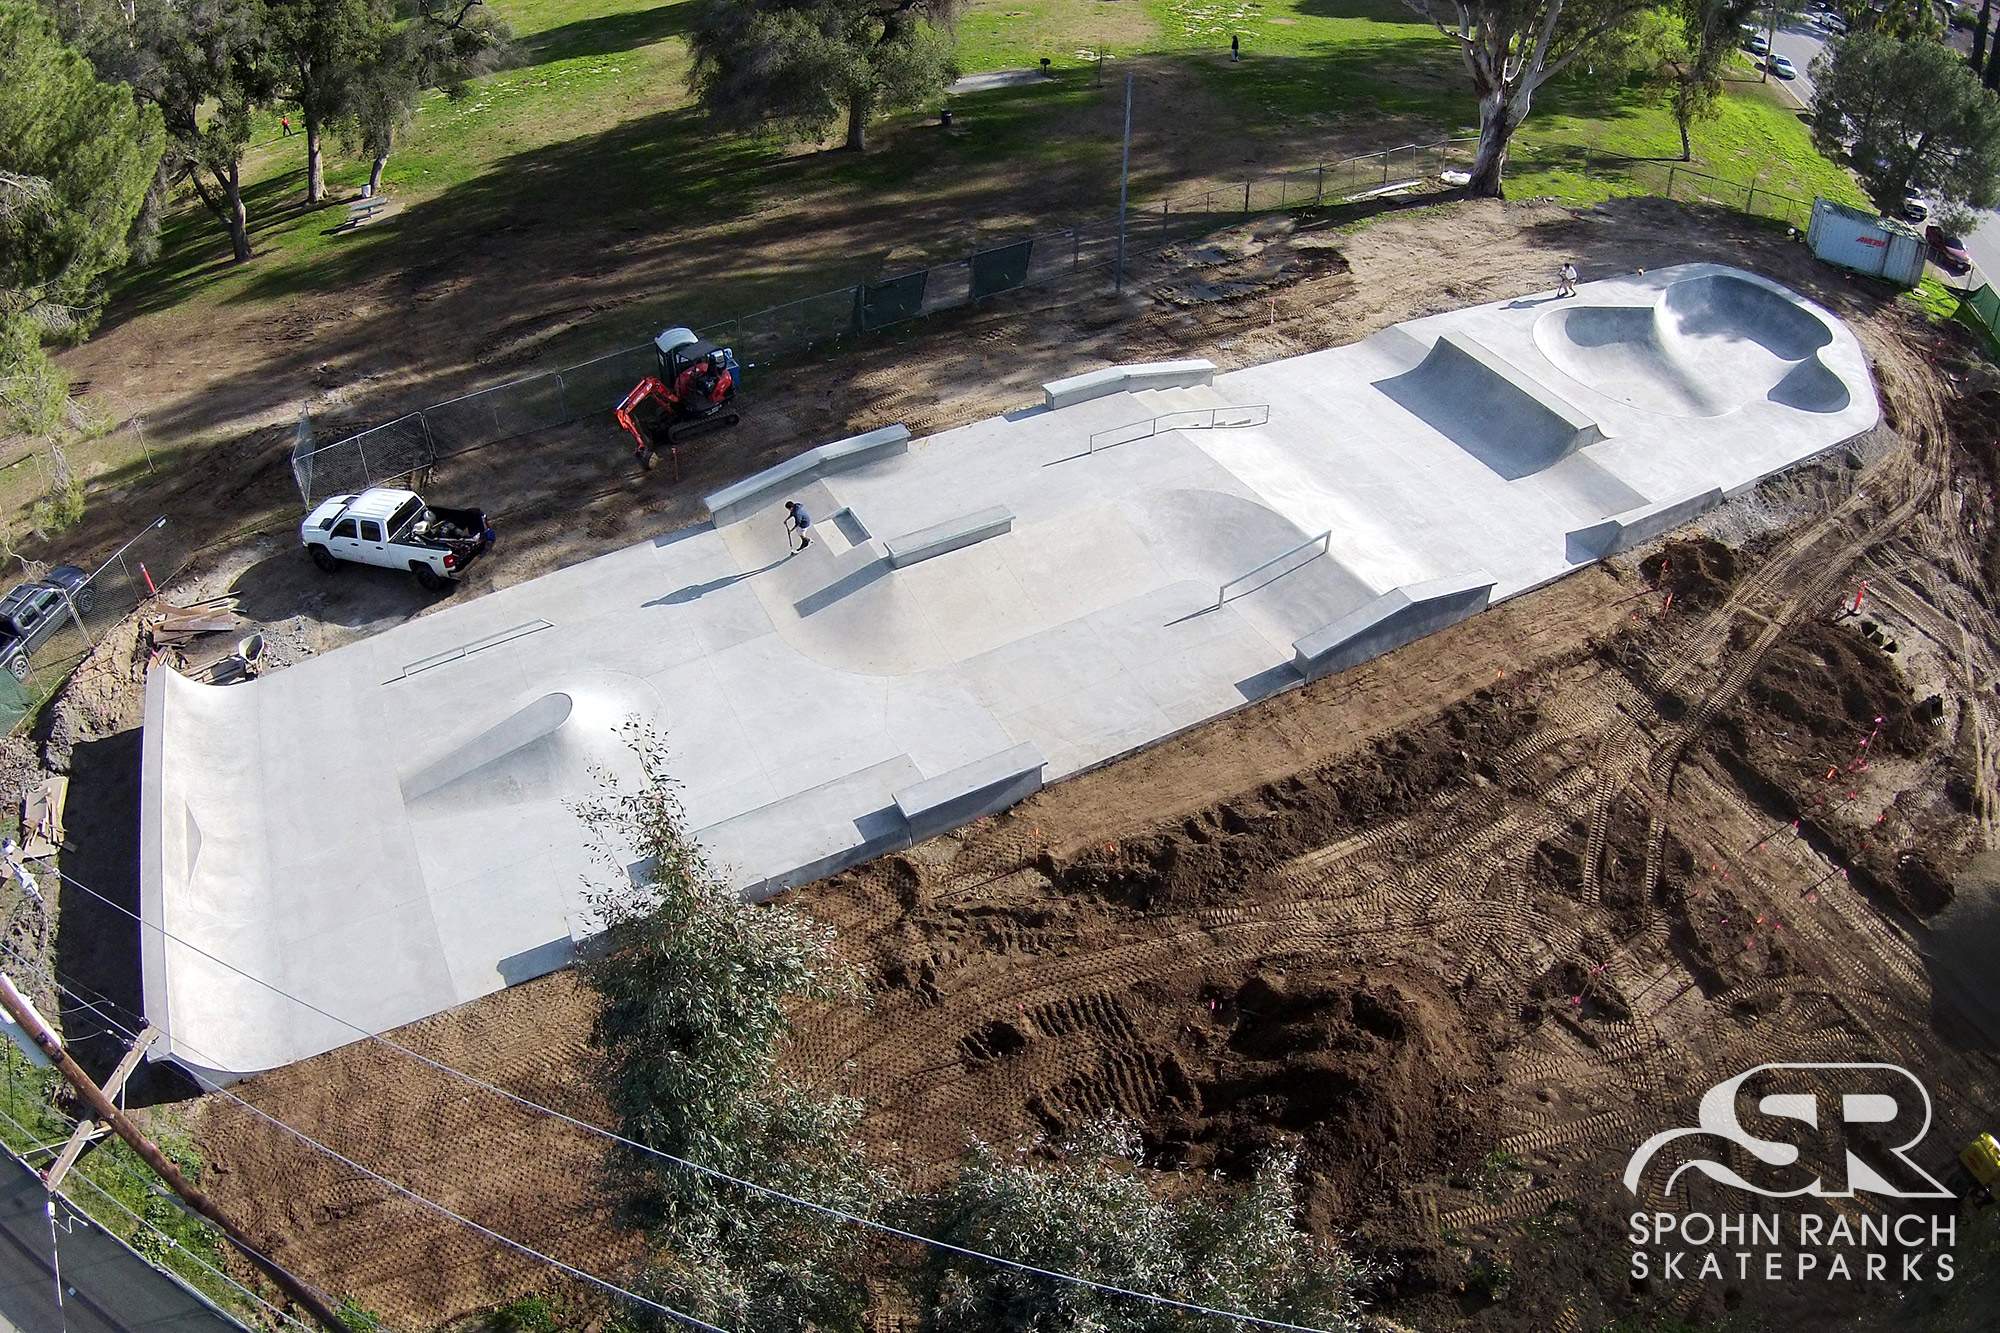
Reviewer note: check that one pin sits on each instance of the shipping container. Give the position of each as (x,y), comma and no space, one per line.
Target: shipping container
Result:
(1877,246)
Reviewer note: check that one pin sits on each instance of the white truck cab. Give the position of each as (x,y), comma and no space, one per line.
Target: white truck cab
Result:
(395,529)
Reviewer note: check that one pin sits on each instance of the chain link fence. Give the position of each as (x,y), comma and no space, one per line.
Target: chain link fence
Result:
(1678,182)
(134,573)
(406,447)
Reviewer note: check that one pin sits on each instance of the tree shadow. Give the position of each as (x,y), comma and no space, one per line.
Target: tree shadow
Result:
(1376,11)
(607,34)
(195,249)
(567,250)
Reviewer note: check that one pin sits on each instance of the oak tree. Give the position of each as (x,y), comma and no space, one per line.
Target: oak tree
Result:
(802,65)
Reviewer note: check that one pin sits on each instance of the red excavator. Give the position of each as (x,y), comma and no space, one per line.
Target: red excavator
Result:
(692,393)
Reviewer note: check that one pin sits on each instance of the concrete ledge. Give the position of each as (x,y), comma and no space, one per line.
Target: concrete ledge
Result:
(1128,379)
(810,834)
(948,535)
(1621,532)
(969,791)
(1402,615)
(754,492)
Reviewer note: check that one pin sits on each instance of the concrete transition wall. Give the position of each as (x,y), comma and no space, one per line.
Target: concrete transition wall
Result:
(390,829)
(1634,527)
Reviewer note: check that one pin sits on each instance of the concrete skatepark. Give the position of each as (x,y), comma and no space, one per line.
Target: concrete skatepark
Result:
(385,831)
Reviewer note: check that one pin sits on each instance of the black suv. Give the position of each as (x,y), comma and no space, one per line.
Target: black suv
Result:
(34,611)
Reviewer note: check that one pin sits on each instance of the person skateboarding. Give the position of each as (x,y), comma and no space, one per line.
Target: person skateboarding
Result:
(1567,285)
(797,520)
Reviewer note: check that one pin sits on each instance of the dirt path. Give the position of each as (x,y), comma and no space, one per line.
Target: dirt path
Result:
(1465,922)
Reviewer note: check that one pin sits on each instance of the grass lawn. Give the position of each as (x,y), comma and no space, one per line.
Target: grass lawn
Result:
(595,113)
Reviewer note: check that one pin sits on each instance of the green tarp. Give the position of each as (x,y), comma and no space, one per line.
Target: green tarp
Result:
(1986,304)
(15,702)
(1001,269)
(885,303)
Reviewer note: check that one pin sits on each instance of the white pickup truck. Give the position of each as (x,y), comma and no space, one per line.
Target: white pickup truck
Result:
(396,530)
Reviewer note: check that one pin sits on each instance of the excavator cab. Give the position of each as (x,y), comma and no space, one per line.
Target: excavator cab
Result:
(1981,1160)
(692,392)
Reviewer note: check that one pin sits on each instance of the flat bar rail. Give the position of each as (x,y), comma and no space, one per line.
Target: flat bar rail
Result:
(1226,417)
(1324,541)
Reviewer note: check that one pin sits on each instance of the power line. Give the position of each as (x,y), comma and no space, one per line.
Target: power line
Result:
(22,1012)
(825,1210)
(690,1320)
(121,1205)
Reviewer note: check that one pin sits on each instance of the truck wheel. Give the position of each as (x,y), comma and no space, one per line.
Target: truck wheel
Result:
(324,558)
(85,598)
(427,578)
(18,665)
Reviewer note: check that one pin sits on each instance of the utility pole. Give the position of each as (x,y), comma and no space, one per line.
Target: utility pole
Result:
(1124,179)
(107,1112)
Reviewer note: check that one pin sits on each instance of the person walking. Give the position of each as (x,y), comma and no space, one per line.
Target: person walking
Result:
(1567,287)
(797,520)
(286,121)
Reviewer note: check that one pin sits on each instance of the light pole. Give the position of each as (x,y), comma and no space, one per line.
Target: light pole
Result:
(1124,180)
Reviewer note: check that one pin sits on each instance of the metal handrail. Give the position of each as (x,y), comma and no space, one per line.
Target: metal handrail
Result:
(1256,414)
(1324,541)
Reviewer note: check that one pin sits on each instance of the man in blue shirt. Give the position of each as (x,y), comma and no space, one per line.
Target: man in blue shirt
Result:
(797,520)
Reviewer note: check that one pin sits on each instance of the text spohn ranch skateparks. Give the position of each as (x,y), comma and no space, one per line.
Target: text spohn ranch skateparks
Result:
(1828,1246)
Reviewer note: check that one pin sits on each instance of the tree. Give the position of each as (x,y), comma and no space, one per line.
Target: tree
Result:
(1511,48)
(1085,1205)
(695,988)
(1979,32)
(1705,32)
(800,65)
(77,156)
(1909,115)
(203,64)
(444,44)
(322,49)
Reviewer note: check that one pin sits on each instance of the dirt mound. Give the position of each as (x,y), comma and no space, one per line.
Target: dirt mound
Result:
(1697,572)
(1819,731)
(1364,1071)
(1829,682)
(1229,852)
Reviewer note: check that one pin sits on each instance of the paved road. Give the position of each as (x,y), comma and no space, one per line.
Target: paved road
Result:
(107,1288)
(1800,43)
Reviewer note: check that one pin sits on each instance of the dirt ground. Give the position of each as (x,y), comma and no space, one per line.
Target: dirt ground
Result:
(510,276)
(1466,923)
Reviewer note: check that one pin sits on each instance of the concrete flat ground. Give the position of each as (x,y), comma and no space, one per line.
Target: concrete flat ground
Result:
(385,831)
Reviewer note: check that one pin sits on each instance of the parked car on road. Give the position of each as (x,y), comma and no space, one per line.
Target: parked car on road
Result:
(1914,208)
(34,611)
(1782,67)
(1948,252)
(1758,45)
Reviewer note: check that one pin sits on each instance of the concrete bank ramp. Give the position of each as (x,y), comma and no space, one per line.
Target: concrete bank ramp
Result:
(1490,408)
